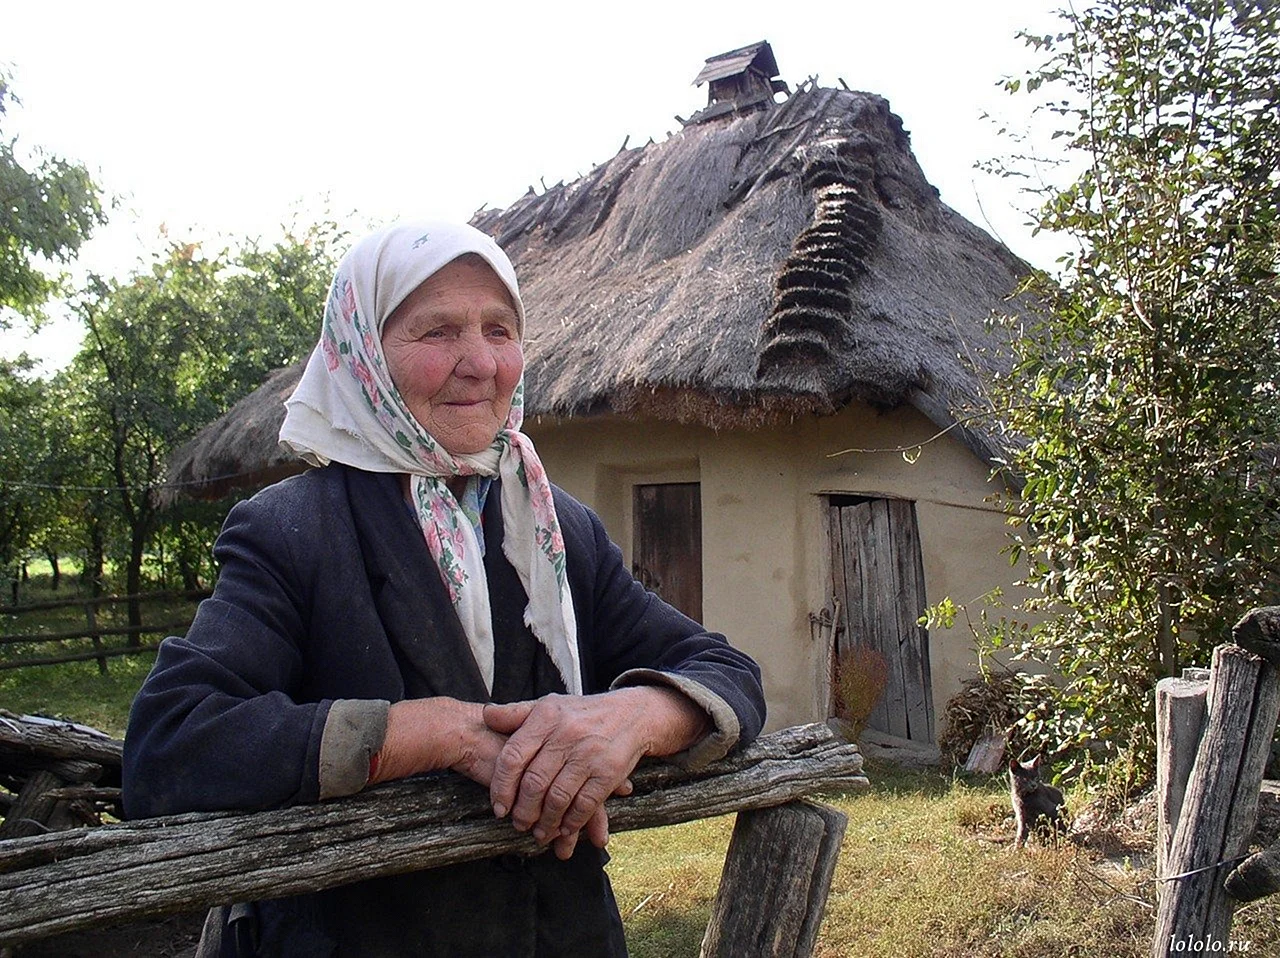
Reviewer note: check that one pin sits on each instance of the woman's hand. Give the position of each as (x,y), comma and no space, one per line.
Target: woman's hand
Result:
(428,734)
(567,754)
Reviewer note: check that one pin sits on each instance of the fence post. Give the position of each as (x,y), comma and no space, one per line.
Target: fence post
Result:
(777,875)
(1221,804)
(1180,711)
(91,615)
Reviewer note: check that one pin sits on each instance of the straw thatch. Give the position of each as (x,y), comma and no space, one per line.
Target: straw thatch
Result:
(747,270)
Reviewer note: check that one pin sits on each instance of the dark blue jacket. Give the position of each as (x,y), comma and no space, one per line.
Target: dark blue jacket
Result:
(328,592)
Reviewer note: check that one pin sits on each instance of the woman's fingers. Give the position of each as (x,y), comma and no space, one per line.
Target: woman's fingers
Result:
(526,741)
(564,846)
(505,719)
(598,828)
(565,758)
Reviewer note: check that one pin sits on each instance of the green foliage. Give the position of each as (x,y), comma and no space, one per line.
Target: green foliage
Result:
(27,448)
(45,214)
(1143,409)
(168,350)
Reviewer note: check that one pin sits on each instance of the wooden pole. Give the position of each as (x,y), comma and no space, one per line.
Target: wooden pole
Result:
(1180,714)
(777,875)
(92,618)
(1221,804)
(57,883)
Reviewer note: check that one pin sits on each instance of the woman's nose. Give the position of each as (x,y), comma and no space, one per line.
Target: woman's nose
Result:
(476,359)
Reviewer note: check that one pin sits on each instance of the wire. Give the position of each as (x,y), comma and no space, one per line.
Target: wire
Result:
(19,484)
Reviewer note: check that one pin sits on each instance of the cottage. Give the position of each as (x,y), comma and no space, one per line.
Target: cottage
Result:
(750,349)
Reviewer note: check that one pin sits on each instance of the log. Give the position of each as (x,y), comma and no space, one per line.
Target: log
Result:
(1257,876)
(777,875)
(71,769)
(31,812)
(1221,804)
(88,793)
(1180,712)
(1259,632)
(58,883)
(27,735)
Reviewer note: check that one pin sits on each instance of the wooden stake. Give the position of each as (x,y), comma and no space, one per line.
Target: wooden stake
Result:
(1180,714)
(777,875)
(1221,805)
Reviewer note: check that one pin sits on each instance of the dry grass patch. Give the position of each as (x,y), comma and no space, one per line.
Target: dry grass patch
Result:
(928,870)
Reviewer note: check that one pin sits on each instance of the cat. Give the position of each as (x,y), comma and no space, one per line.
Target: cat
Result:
(1035,804)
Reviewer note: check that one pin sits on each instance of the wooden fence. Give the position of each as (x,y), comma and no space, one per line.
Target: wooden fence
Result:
(774,888)
(93,630)
(1214,735)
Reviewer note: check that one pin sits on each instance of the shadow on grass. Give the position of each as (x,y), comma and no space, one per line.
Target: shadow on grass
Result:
(890,778)
(666,934)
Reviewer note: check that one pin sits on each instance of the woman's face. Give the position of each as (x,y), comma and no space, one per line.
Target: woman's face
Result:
(453,351)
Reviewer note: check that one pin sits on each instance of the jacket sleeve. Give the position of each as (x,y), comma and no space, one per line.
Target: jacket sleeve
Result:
(218,723)
(632,637)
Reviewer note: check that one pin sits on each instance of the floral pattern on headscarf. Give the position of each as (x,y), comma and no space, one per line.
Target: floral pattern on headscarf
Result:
(350,411)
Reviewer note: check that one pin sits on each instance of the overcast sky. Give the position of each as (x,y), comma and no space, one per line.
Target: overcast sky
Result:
(224,120)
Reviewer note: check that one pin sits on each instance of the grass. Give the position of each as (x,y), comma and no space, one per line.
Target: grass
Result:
(924,871)
(927,869)
(75,690)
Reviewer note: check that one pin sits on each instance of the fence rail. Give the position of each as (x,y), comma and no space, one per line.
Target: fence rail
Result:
(776,880)
(96,600)
(93,631)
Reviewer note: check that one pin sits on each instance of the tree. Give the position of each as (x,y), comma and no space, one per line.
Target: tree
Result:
(269,306)
(1143,409)
(45,214)
(138,376)
(169,349)
(26,446)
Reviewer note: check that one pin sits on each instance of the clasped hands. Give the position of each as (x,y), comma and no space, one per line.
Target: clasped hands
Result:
(549,763)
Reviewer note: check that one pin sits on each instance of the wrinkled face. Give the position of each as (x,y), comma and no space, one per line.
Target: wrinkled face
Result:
(453,351)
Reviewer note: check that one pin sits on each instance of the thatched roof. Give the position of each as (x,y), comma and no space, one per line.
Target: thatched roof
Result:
(747,270)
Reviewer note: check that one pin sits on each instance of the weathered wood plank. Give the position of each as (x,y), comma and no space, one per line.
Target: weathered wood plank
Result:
(871,595)
(1180,714)
(1221,804)
(839,589)
(31,811)
(53,884)
(41,738)
(777,875)
(913,640)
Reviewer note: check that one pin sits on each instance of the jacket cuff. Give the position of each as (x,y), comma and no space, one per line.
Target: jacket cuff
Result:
(353,733)
(716,743)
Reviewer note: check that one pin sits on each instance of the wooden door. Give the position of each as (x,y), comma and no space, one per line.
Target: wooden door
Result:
(878,577)
(667,543)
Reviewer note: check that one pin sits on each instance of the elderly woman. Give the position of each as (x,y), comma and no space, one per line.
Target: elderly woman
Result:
(426,600)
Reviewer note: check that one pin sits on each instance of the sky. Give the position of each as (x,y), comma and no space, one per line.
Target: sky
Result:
(221,121)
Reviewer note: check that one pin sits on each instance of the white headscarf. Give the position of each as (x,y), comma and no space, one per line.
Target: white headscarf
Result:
(347,409)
